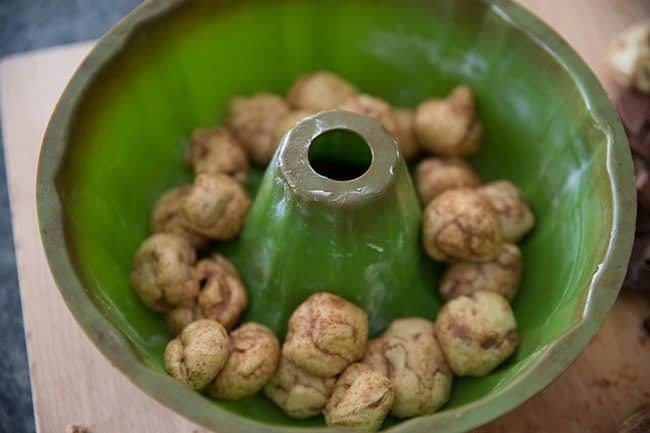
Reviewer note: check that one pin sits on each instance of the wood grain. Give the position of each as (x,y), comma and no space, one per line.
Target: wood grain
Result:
(74,384)
(607,383)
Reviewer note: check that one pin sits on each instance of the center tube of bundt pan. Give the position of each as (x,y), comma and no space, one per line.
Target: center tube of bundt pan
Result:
(309,155)
(336,212)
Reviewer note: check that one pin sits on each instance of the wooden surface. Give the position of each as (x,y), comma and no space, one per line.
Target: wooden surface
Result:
(74,384)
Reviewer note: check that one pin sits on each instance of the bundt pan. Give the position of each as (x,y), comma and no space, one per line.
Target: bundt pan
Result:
(117,137)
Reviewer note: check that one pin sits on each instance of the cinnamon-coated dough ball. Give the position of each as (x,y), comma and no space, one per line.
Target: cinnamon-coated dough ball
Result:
(361,400)
(178,318)
(629,59)
(198,354)
(318,91)
(253,120)
(163,275)
(514,215)
(254,357)
(298,393)
(437,175)
(222,296)
(408,143)
(500,275)
(409,355)
(373,107)
(448,127)
(476,333)
(215,150)
(326,333)
(216,206)
(167,217)
(287,122)
(460,225)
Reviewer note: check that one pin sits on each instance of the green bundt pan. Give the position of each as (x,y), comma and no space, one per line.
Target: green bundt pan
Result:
(117,137)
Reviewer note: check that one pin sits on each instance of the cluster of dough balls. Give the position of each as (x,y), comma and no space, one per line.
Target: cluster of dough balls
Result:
(229,367)
(202,295)
(260,121)
(469,225)
(167,274)
(325,335)
(257,123)
(326,364)
(474,229)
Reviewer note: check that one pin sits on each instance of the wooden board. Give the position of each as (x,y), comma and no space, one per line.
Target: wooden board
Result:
(72,383)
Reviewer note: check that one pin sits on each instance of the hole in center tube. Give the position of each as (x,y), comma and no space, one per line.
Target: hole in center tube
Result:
(340,155)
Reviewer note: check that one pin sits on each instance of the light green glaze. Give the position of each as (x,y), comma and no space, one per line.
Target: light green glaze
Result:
(117,138)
